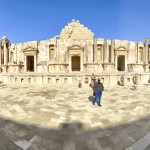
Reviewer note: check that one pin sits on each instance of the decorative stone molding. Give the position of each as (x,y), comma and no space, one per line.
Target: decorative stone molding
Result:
(30,50)
(75,47)
(121,48)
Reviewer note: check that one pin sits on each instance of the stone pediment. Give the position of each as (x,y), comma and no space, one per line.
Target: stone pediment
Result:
(121,48)
(75,47)
(77,31)
(29,49)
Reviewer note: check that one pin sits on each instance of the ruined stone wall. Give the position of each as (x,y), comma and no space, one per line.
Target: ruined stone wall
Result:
(53,57)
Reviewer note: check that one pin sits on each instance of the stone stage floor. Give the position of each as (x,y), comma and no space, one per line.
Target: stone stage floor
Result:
(62,117)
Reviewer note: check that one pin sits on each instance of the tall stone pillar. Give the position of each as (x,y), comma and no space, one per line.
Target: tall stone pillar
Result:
(70,63)
(137,52)
(90,52)
(95,50)
(143,54)
(126,62)
(112,51)
(25,63)
(57,50)
(85,54)
(48,52)
(148,55)
(0,56)
(86,50)
(146,52)
(15,54)
(35,62)
(84,57)
(67,57)
(116,61)
(81,60)
(128,53)
(105,51)
(102,54)
(5,54)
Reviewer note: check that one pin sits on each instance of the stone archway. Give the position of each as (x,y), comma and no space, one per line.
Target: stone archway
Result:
(121,63)
(75,63)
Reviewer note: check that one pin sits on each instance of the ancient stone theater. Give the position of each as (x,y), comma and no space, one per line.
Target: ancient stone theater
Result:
(74,55)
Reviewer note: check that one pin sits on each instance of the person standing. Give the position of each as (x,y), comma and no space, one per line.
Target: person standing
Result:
(98,89)
(79,82)
(122,80)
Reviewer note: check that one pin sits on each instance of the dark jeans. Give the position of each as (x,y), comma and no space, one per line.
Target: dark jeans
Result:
(98,96)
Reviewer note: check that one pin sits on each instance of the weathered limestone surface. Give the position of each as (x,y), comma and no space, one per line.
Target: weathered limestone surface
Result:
(63,118)
(74,51)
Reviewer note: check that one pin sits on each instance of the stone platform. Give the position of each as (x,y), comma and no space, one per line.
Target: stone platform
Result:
(63,118)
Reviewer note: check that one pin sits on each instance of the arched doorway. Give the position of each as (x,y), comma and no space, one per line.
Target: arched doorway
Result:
(30,63)
(121,63)
(75,61)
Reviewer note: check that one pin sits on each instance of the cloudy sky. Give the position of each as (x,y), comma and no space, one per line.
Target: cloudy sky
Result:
(29,20)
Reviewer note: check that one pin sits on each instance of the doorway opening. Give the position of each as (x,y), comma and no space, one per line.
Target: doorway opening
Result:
(30,63)
(121,63)
(75,63)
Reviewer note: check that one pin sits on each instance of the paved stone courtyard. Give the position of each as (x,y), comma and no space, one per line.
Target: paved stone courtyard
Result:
(63,118)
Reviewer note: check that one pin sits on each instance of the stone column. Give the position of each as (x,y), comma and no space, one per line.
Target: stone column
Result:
(5,54)
(57,50)
(22,56)
(25,63)
(148,55)
(90,52)
(55,53)
(137,52)
(105,51)
(126,60)
(0,56)
(10,56)
(35,62)
(69,63)
(146,52)
(112,51)
(95,50)
(81,61)
(47,52)
(66,57)
(128,53)
(86,53)
(143,55)
(102,54)
(15,53)
(116,61)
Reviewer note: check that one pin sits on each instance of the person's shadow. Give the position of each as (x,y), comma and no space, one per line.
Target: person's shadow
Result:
(91,98)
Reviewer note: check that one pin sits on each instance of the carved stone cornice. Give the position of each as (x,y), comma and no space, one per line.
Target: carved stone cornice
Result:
(30,50)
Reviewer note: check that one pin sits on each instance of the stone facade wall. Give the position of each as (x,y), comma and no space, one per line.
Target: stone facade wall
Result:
(47,79)
(75,42)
